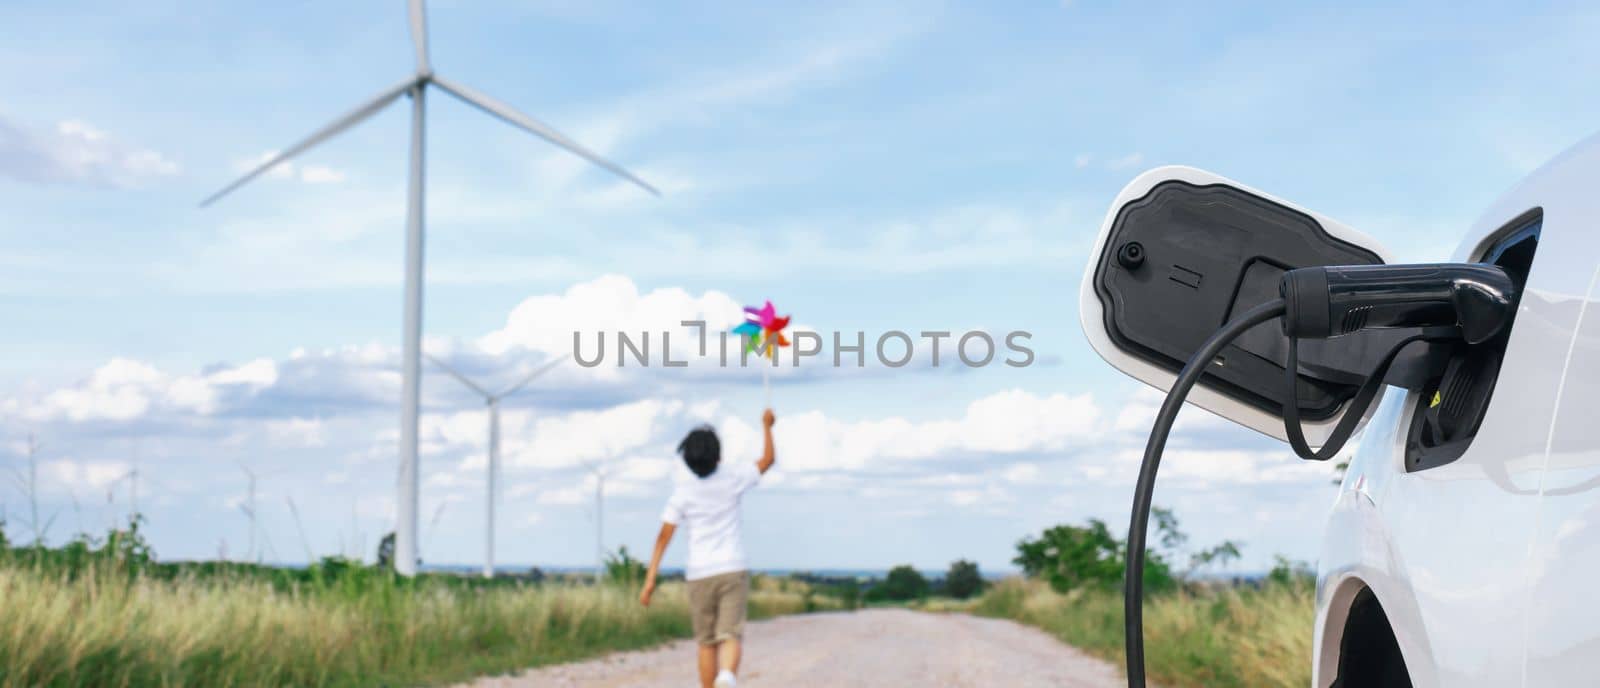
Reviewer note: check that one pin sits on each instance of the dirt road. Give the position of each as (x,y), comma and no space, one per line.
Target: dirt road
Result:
(878,647)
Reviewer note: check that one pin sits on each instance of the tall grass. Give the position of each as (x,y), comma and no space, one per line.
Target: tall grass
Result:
(1207,637)
(101,626)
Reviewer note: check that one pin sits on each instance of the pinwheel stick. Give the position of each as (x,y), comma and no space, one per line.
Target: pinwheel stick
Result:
(766,386)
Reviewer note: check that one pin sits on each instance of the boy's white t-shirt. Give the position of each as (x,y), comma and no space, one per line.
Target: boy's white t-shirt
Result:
(709,508)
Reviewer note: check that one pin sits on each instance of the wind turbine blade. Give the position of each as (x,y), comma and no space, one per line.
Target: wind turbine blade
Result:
(535,127)
(453,373)
(348,120)
(540,371)
(419,35)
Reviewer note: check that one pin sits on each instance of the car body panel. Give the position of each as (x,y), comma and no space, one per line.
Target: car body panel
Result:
(1563,637)
(1457,554)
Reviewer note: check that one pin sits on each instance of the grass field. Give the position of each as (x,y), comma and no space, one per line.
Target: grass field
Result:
(101,623)
(1212,638)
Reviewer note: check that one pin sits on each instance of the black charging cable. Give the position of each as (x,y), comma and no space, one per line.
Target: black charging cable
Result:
(1354,412)
(1144,489)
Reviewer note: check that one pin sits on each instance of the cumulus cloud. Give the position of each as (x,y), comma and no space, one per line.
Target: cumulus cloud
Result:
(309,174)
(1004,423)
(610,303)
(607,414)
(75,152)
(337,380)
(69,475)
(125,389)
(320,425)
(317,174)
(1125,162)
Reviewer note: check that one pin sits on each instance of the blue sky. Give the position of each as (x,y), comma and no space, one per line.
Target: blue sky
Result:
(866,166)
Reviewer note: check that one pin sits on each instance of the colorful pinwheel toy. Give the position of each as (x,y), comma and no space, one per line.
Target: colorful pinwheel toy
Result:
(762,330)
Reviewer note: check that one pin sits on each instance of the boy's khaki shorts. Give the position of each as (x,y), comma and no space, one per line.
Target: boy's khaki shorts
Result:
(717,606)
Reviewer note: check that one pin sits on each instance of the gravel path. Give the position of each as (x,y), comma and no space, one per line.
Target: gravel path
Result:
(877,647)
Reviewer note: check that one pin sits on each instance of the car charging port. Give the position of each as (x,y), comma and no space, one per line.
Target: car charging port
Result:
(1452,403)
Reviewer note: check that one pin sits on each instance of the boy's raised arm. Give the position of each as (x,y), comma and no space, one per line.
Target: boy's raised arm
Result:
(662,539)
(768,456)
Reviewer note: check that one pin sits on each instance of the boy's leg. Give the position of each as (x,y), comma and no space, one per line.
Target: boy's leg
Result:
(732,602)
(703,619)
(728,655)
(708,665)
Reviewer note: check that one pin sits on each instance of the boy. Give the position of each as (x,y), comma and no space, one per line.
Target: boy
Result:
(719,580)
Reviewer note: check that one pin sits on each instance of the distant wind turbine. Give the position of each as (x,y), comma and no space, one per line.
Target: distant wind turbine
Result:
(29,486)
(415,86)
(295,512)
(599,471)
(433,526)
(492,400)
(249,509)
(132,476)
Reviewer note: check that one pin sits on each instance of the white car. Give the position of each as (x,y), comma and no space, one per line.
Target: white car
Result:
(1464,543)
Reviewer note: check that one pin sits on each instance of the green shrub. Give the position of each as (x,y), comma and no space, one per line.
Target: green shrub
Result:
(903,584)
(1071,557)
(622,569)
(1208,637)
(963,579)
(1288,572)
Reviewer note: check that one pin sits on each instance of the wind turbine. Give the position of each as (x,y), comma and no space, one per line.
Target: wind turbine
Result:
(433,526)
(599,471)
(416,86)
(250,510)
(132,476)
(493,402)
(295,512)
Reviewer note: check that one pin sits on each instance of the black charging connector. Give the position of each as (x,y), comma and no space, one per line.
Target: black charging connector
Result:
(1474,301)
(1445,302)
(1323,302)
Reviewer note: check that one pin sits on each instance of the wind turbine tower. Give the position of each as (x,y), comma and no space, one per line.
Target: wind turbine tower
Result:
(599,471)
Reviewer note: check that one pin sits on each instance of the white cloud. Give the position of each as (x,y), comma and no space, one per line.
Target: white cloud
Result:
(1021,473)
(80,477)
(309,174)
(583,490)
(634,442)
(609,304)
(366,377)
(317,174)
(282,170)
(125,389)
(540,441)
(76,152)
(1010,422)
(1139,413)
(1125,162)
(1225,466)
(297,432)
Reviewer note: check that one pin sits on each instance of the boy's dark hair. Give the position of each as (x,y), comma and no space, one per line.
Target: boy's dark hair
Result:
(701,450)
